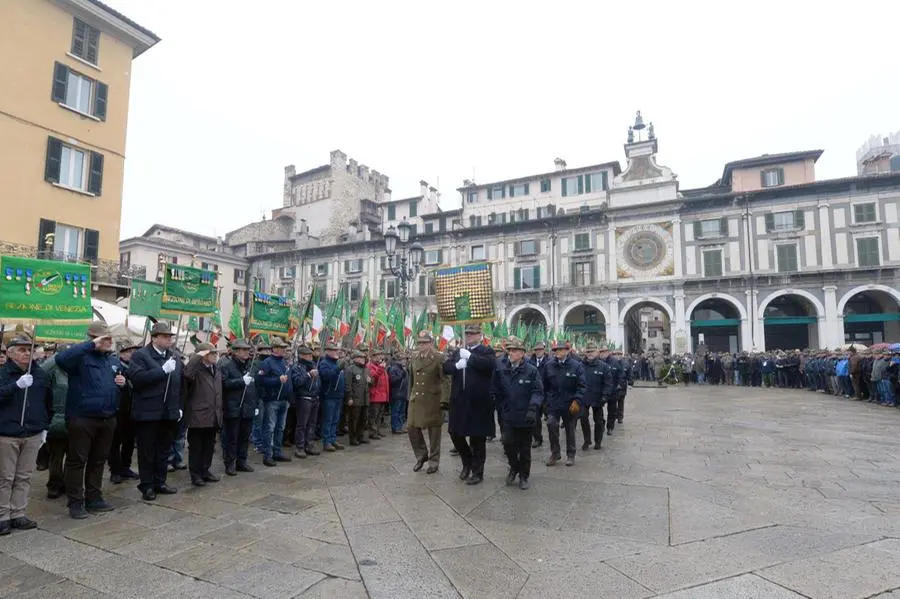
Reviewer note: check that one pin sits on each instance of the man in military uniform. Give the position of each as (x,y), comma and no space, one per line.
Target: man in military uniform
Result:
(241,406)
(519,392)
(539,360)
(426,378)
(564,387)
(357,397)
(471,405)
(598,388)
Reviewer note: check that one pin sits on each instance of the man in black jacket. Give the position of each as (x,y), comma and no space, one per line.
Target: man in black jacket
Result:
(122,449)
(471,404)
(539,360)
(155,374)
(241,406)
(307,385)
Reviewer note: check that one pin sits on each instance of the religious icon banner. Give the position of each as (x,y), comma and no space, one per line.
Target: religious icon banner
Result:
(270,314)
(146,298)
(465,294)
(190,291)
(44,291)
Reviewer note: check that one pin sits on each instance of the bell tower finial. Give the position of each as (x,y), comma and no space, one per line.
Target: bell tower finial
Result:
(638,121)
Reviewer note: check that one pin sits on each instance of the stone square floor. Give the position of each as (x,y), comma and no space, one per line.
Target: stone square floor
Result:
(703,493)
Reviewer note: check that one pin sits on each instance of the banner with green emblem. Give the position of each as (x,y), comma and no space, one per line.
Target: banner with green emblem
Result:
(465,294)
(44,291)
(190,291)
(146,298)
(61,333)
(269,314)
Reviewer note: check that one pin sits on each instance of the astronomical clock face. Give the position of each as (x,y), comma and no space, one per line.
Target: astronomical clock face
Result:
(645,251)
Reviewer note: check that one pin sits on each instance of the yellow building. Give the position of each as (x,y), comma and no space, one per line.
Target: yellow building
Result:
(63,120)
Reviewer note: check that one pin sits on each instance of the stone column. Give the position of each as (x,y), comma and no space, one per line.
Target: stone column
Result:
(678,248)
(611,251)
(831,327)
(680,335)
(613,328)
(759,337)
(825,235)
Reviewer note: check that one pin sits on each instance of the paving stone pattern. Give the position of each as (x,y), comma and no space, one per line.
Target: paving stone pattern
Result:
(703,493)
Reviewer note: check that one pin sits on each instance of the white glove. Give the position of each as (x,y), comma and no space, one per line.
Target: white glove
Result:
(461,364)
(169,366)
(25,381)
(256,412)
(180,414)
(248,379)
(43,437)
(464,353)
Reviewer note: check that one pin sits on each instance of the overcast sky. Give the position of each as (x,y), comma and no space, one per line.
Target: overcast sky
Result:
(441,90)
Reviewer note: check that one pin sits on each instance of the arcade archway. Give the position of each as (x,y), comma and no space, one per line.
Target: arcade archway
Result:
(528,317)
(871,316)
(790,321)
(587,320)
(646,326)
(716,324)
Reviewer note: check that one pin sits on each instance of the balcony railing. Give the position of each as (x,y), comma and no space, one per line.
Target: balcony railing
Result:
(104,272)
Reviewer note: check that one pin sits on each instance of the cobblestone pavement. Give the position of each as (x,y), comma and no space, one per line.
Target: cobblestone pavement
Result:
(703,493)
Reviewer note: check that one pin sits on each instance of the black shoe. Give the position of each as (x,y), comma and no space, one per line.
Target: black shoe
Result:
(418,466)
(165,490)
(300,455)
(570,461)
(465,473)
(364,441)
(197,481)
(245,467)
(620,419)
(313,452)
(475,479)
(536,444)
(230,470)
(211,478)
(116,479)
(585,446)
(282,458)
(511,477)
(523,484)
(270,463)
(22,523)
(596,446)
(353,442)
(130,474)
(454,451)
(609,431)
(5,528)
(431,470)
(98,505)
(149,495)
(54,493)
(77,511)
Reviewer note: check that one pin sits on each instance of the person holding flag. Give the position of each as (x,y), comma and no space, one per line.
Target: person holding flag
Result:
(241,406)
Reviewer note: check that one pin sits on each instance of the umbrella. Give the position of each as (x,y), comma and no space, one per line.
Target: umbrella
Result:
(856,346)
(881,346)
(895,347)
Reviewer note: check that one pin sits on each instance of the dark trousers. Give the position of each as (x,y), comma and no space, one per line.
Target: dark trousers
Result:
(202,446)
(356,421)
(517,443)
(122,445)
(236,440)
(289,431)
(472,453)
(553,432)
(537,431)
(89,443)
(599,424)
(305,428)
(154,440)
(620,405)
(56,450)
(376,412)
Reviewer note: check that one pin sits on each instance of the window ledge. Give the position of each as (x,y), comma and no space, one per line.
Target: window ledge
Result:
(84,62)
(870,223)
(76,111)
(75,189)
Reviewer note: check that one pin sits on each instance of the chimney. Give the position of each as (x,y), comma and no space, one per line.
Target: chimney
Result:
(423,188)
(289,171)
(560,164)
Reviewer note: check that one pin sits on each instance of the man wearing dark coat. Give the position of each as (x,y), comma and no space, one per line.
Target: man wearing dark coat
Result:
(241,405)
(203,411)
(598,390)
(539,360)
(122,449)
(564,387)
(471,404)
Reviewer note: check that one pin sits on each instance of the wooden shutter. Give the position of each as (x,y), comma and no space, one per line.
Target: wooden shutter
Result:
(95,179)
(723,227)
(565,191)
(325,269)
(698,229)
(422,282)
(79,33)
(53,161)
(100,101)
(60,82)
(441,255)
(762,178)
(312,271)
(359,265)
(517,247)
(46,229)
(780,176)
(536,282)
(580,184)
(526,189)
(91,246)
(490,193)
(512,191)
(770,222)
(587,183)
(517,278)
(346,266)
(537,246)
(93,45)
(381,287)
(799,219)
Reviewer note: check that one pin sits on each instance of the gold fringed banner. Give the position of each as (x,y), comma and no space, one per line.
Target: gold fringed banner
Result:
(465,294)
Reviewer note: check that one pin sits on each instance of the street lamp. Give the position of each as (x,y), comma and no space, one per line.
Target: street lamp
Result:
(405,261)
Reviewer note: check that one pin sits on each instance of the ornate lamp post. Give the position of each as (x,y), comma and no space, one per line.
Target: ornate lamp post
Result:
(405,260)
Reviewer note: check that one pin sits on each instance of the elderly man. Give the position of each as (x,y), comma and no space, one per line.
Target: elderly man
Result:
(25,406)
(307,384)
(95,383)
(471,403)
(122,449)
(240,407)
(57,438)
(155,373)
(275,389)
(331,370)
(203,411)
(426,379)
(564,386)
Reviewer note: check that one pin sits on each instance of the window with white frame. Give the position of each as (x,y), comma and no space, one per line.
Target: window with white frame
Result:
(582,242)
(353,266)
(597,181)
(85,41)
(478,252)
(351,290)
(786,256)
(570,186)
(497,193)
(432,257)
(388,288)
(772,177)
(67,242)
(867,253)
(545,185)
(472,197)
(73,168)
(518,190)
(583,274)
(79,92)
(864,213)
(712,263)
(711,228)
(527,247)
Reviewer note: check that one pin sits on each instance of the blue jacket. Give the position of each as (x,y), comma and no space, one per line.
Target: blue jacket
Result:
(516,389)
(768,365)
(305,386)
(333,383)
(92,387)
(563,384)
(38,402)
(268,384)
(843,367)
(599,384)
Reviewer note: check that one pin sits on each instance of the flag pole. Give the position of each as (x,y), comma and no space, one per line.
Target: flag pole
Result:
(30,363)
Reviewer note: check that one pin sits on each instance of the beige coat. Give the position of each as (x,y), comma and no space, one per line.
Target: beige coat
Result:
(426,382)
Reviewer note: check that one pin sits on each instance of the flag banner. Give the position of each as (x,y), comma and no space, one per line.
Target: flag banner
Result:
(235,323)
(145,298)
(465,294)
(188,290)
(269,314)
(44,291)
(61,333)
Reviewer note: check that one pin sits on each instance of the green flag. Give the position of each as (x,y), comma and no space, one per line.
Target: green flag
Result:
(188,290)
(44,291)
(145,298)
(61,333)
(269,314)
(235,323)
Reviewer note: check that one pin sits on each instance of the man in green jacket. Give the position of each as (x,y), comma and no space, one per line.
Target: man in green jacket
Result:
(57,437)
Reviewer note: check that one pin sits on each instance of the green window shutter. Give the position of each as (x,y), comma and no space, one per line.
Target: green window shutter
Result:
(605,183)
(490,194)
(781,176)
(93,43)
(723,227)
(346,266)
(79,33)
(326,268)
(45,231)
(392,212)
(799,219)
(502,192)
(698,229)
(100,100)
(762,178)
(421,285)
(770,222)
(537,277)
(95,179)
(565,191)
(512,191)
(381,287)
(526,189)
(91,245)
(587,183)
(53,161)
(580,184)
(517,278)
(60,82)
(312,269)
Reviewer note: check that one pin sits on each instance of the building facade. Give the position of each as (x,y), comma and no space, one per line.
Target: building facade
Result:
(879,155)
(63,120)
